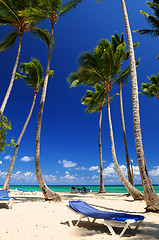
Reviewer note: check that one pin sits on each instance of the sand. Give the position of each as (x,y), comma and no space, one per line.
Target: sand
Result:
(33,218)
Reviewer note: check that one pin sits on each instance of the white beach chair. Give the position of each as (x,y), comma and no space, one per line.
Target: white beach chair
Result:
(84,210)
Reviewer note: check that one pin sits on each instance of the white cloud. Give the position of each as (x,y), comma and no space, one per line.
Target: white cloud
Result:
(93,168)
(123,169)
(3,174)
(109,171)
(50,178)
(7,157)
(154,172)
(67,164)
(136,170)
(68,177)
(27,159)
(95,177)
(27,177)
(81,168)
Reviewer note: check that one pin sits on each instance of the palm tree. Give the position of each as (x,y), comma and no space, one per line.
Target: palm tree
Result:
(118,42)
(9,15)
(151,89)
(102,67)
(95,104)
(34,78)
(150,195)
(47,9)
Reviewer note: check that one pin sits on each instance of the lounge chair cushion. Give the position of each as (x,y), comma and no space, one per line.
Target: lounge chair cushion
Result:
(87,210)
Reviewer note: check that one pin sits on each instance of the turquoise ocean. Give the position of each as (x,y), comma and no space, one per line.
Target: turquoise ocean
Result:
(94,188)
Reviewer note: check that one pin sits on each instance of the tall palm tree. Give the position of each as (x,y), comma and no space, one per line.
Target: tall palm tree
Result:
(118,41)
(151,89)
(47,9)
(102,66)
(34,78)
(10,16)
(150,195)
(94,102)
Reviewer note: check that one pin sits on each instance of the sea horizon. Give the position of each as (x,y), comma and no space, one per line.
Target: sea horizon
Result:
(66,188)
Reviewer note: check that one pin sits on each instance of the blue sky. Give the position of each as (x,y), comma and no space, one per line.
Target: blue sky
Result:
(69,140)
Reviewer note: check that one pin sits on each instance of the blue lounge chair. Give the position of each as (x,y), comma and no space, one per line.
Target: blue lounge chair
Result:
(85,190)
(85,211)
(4,198)
(25,191)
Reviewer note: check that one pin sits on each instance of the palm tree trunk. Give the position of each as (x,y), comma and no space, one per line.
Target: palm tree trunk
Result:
(150,195)
(48,193)
(124,135)
(102,189)
(12,78)
(7,180)
(136,194)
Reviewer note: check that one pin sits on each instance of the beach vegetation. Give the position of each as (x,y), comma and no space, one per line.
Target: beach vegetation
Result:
(151,89)
(5,125)
(150,196)
(33,76)
(153,20)
(118,42)
(102,67)
(95,103)
(10,16)
(51,10)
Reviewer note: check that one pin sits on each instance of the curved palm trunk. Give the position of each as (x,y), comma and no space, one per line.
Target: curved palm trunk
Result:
(150,195)
(136,194)
(102,189)
(12,78)
(124,135)
(48,193)
(7,180)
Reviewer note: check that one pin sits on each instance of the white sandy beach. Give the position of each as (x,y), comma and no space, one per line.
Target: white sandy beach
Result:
(33,218)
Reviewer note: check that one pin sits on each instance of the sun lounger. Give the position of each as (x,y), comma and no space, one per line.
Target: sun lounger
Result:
(18,190)
(87,211)
(85,190)
(4,198)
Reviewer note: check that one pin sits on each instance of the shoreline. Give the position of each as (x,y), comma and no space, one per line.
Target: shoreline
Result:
(33,218)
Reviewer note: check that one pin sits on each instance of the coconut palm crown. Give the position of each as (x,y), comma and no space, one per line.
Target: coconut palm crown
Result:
(151,89)
(153,20)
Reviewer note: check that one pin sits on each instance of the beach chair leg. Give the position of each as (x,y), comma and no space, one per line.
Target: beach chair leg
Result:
(137,225)
(94,220)
(10,204)
(69,220)
(110,228)
(124,229)
(82,216)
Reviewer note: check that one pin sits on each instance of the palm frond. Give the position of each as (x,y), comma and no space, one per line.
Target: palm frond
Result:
(34,14)
(42,33)
(66,7)
(73,79)
(8,10)
(8,41)
(5,21)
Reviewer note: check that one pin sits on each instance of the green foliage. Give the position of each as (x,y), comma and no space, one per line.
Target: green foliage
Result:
(151,89)
(4,127)
(66,7)
(10,15)
(8,41)
(152,20)
(33,73)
